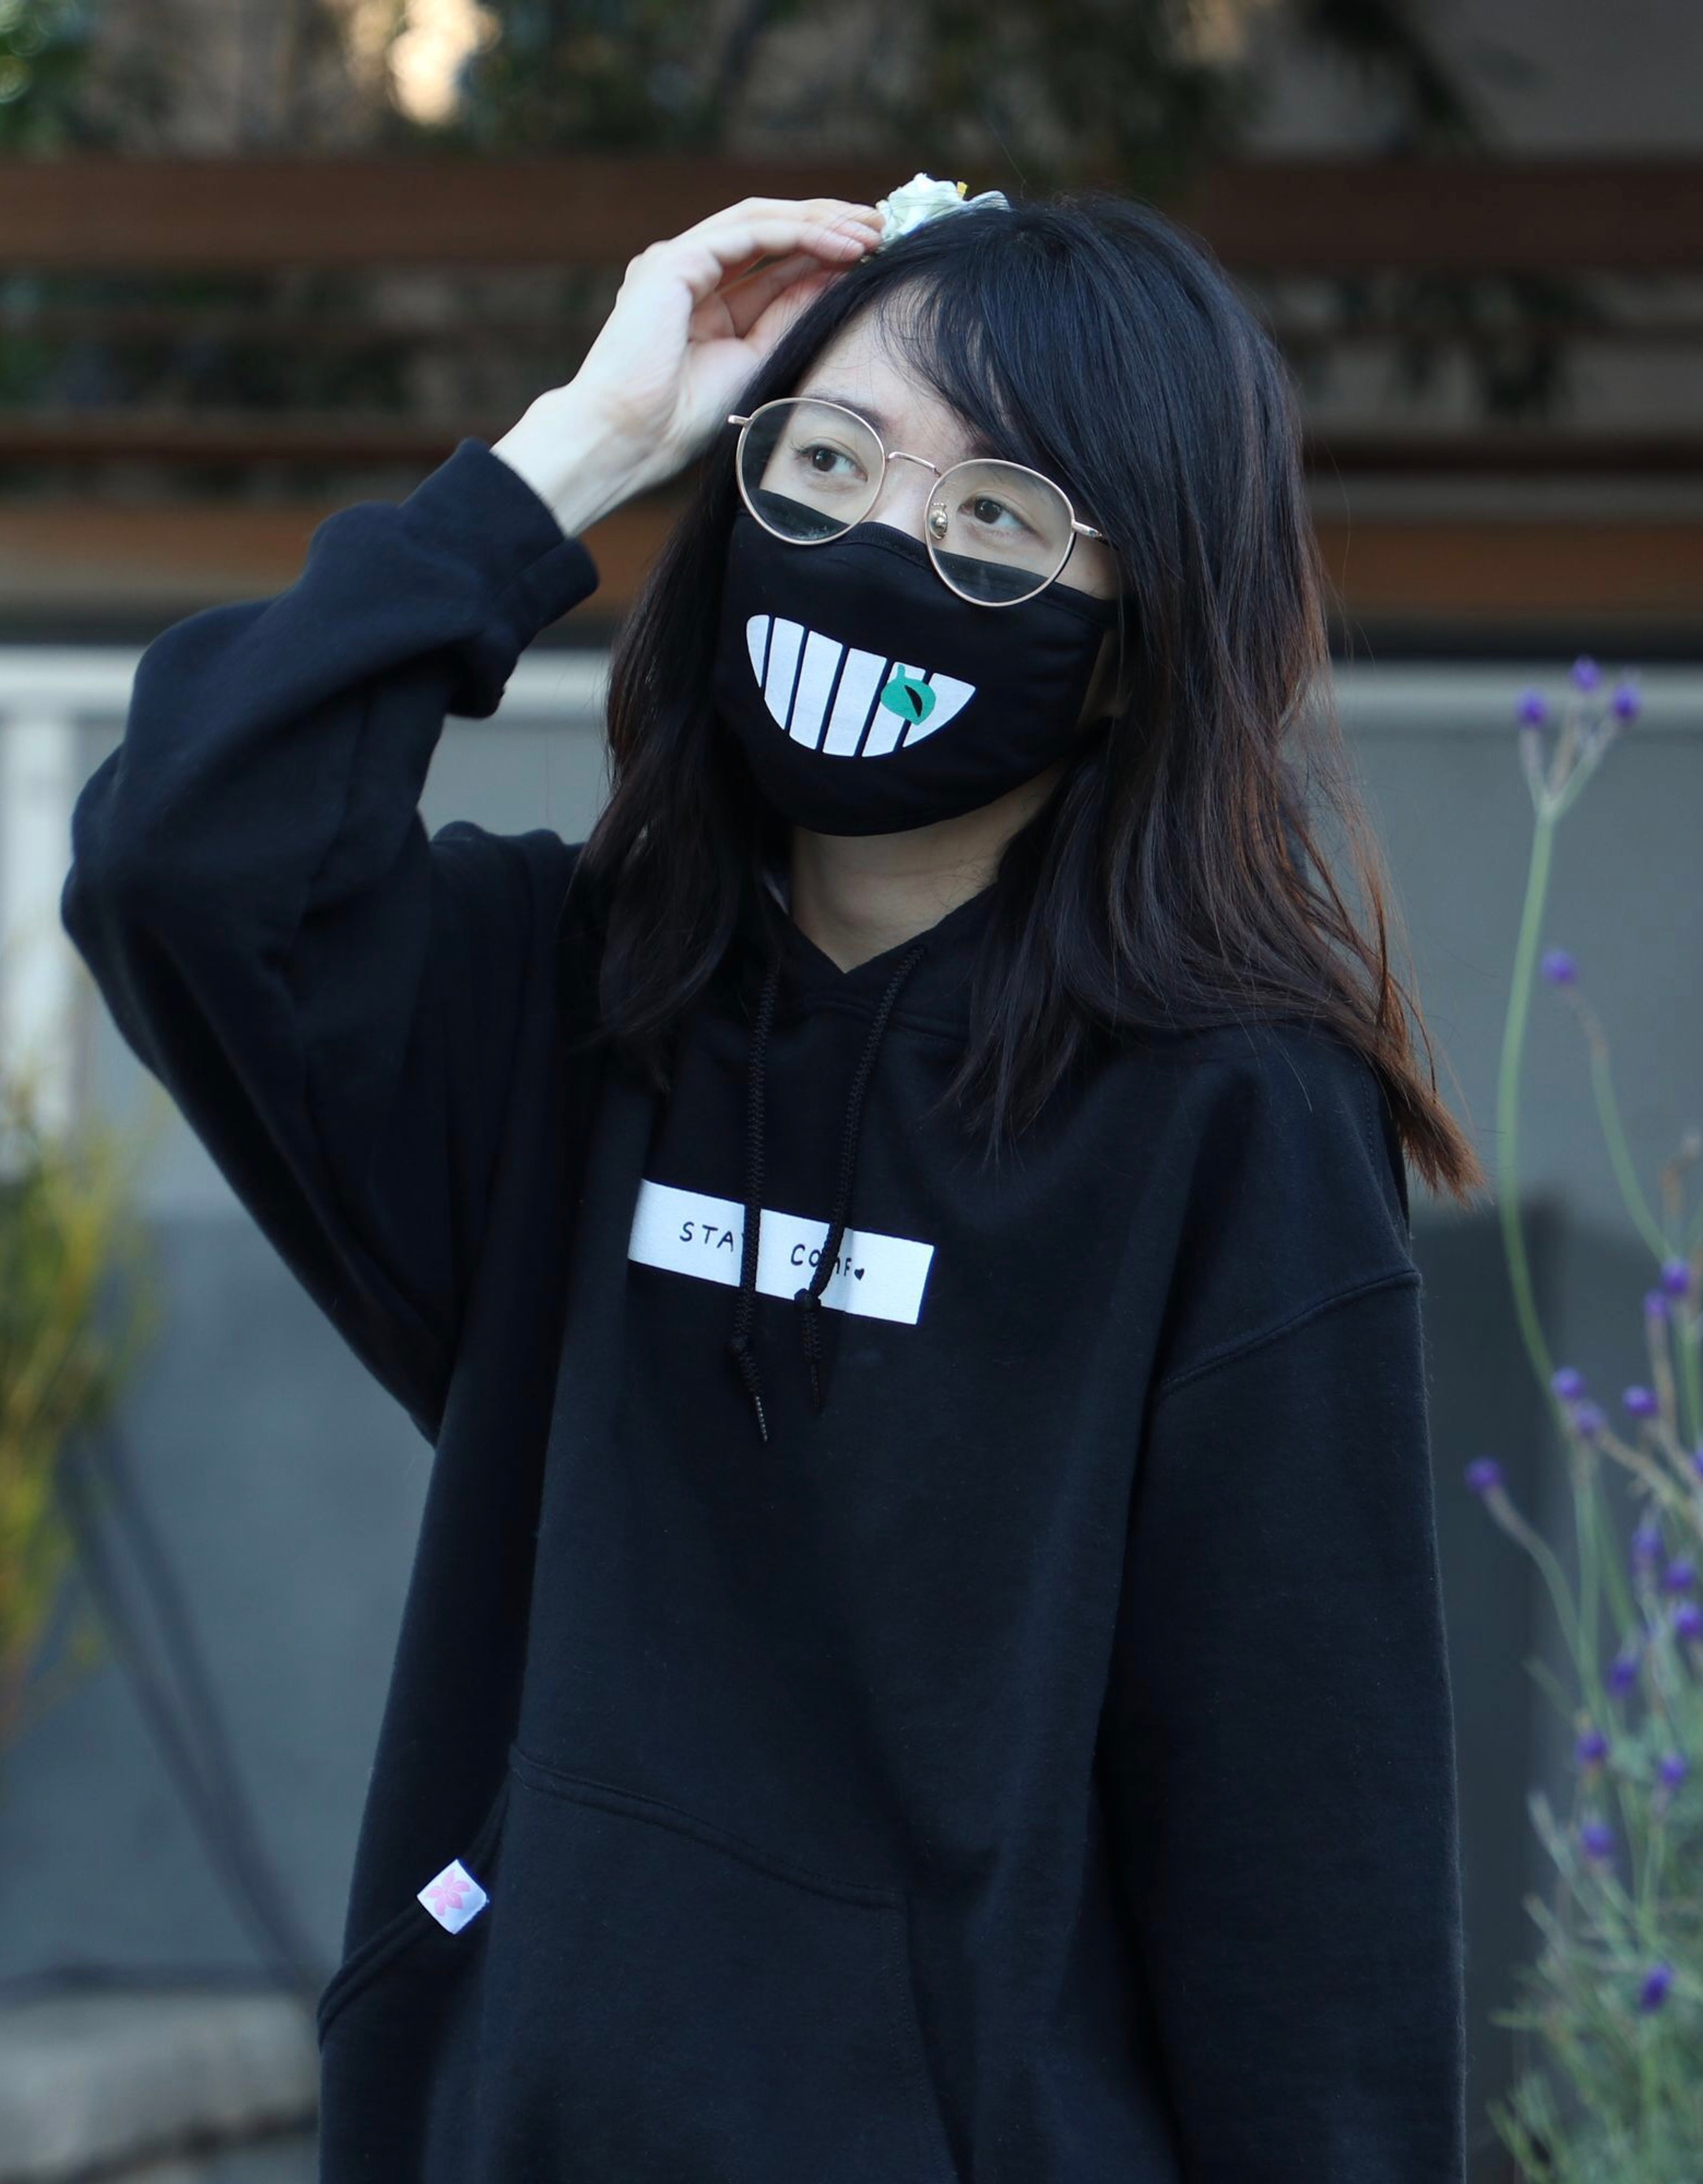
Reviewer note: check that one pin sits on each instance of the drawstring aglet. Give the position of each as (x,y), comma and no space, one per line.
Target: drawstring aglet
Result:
(739,1350)
(810,1306)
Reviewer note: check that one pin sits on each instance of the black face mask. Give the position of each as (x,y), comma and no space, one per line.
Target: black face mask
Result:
(869,698)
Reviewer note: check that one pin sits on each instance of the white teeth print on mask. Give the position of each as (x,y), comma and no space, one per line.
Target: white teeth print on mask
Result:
(842,701)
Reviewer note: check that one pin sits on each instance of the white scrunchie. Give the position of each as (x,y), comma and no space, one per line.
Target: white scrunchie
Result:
(924,198)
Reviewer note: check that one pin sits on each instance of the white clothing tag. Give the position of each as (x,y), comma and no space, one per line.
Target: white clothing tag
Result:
(454,1897)
(687,1232)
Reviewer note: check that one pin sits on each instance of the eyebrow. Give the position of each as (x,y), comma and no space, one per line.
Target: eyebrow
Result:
(978,445)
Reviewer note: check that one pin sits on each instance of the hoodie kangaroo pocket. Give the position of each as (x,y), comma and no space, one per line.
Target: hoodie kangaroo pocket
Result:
(399,2036)
(665,2001)
(413,1924)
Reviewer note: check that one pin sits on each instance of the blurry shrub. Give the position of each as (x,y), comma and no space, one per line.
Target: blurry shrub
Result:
(67,1229)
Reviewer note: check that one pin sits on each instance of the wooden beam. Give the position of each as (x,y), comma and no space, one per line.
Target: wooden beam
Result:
(87,559)
(89,214)
(1481,573)
(252,215)
(236,439)
(352,328)
(1532,216)
(93,557)
(231,439)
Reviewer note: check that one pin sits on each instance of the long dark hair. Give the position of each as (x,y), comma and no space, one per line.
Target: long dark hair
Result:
(1173,878)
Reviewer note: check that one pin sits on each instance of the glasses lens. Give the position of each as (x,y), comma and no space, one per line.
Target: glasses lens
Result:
(809,469)
(997,531)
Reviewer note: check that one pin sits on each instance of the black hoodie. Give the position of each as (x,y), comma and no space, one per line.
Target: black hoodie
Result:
(1034,1764)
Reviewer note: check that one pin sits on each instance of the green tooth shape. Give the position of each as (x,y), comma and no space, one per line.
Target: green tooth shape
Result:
(909,698)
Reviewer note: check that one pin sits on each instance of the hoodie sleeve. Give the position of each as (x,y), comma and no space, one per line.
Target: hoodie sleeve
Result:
(1279,1742)
(331,998)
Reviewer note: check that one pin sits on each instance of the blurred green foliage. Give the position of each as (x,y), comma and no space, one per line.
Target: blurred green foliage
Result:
(68,1227)
(1138,91)
(44,51)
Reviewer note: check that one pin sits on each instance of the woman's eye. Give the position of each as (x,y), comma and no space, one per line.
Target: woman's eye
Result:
(823,459)
(994,515)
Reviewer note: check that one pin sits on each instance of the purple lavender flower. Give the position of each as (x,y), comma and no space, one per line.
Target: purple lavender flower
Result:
(1596,1838)
(1484,1476)
(1676,1276)
(1559,967)
(1586,673)
(1568,1383)
(1533,709)
(1655,1986)
(1673,1769)
(1680,1576)
(1697,1462)
(1588,1418)
(1622,1673)
(1641,1402)
(1591,1749)
(1626,704)
(1688,1620)
(1646,1545)
(1655,1304)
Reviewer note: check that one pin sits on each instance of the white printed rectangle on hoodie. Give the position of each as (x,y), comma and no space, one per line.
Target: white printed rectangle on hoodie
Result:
(689,1232)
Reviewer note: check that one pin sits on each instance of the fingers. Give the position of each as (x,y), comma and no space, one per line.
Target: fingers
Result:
(821,211)
(834,239)
(746,298)
(730,244)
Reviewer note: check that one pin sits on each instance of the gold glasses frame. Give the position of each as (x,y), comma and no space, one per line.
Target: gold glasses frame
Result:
(935,521)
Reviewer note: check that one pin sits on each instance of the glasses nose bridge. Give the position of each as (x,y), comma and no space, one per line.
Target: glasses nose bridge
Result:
(879,506)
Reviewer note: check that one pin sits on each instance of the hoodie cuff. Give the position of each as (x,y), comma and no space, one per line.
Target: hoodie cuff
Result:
(474,509)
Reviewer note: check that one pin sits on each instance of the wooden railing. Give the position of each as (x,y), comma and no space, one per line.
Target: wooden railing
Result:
(1459,216)
(289,253)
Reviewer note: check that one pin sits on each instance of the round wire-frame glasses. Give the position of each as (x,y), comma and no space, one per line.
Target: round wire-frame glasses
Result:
(938,535)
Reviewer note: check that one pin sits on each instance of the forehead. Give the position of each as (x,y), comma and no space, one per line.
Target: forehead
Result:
(864,367)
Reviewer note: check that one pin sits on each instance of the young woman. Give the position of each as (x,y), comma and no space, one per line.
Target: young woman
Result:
(925,1660)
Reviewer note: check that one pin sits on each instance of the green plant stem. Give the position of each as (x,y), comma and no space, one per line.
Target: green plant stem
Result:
(1648,2092)
(1620,1592)
(1509,1518)
(1686,1332)
(1508,1101)
(1584,1526)
(1620,1156)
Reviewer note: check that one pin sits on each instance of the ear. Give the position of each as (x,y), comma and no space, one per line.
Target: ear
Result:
(1099,702)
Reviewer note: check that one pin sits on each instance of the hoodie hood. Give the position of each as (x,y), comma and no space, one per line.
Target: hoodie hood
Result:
(936,995)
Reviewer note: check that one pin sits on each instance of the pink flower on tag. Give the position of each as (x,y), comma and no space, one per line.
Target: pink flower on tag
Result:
(453,1897)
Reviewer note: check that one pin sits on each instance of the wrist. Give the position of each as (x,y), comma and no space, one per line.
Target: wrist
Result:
(578,465)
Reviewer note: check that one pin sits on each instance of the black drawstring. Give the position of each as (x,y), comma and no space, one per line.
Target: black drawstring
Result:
(739,1343)
(809,1299)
